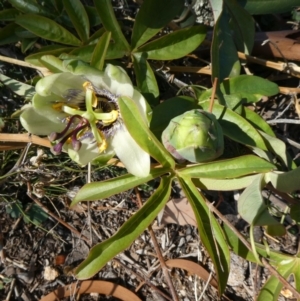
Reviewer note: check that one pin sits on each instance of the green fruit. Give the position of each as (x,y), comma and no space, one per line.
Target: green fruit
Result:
(195,136)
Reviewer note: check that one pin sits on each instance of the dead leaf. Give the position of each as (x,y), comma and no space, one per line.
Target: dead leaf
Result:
(193,268)
(86,287)
(179,211)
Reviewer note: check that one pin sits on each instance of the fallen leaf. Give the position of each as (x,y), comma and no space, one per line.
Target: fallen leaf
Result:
(178,211)
(86,287)
(192,268)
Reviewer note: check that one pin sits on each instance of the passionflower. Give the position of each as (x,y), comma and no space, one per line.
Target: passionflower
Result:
(195,136)
(80,114)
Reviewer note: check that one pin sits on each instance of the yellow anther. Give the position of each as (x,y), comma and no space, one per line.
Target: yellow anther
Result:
(114,117)
(58,106)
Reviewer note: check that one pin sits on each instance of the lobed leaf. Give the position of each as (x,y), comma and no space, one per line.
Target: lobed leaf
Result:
(101,190)
(174,45)
(147,26)
(47,29)
(252,207)
(236,127)
(98,56)
(106,12)
(145,78)
(210,232)
(228,169)
(130,230)
(79,18)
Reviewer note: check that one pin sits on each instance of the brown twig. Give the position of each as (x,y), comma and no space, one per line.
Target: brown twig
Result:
(212,99)
(29,193)
(159,255)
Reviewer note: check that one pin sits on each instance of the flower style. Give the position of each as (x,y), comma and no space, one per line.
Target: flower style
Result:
(80,114)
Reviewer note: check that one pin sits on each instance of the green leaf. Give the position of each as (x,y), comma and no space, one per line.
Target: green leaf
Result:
(130,230)
(9,14)
(26,44)
(47,29)
(34,58)
(93,16)
(98,57)
(224,184)
(101,190)
(284,181)
(242,25)
(249,87)
(272,288)
(277,147)
(238,247)
(252,207)
(174,45)
(30,7)
(140,132)
(53,63)
(258,7)
(295,213)
(17,87)
(106,12)
(83,53)
(257,121)
(152,17)
(236,127)
(228,169)
(210,232)
(79,18)
(167,110)
(7,34)
(145,78)
(225,61)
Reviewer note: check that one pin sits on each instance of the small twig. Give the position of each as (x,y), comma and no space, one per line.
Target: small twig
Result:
(212,99)
(293,121)
(159,255)
(12,285)
(281,279)
(43,70)
(232,228)
(36,200)
(142,278)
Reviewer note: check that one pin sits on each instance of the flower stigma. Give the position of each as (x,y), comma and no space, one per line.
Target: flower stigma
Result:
(100,114)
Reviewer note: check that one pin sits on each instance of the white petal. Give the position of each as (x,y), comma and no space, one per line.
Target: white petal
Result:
(136,160)
(43,105)
(88,152)
(115,80)
(37,124)
(59,84)
(142,105)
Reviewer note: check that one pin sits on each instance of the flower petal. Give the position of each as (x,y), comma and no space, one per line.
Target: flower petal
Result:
(59,84)
(43,105)
(136,160)
(114,79)
(37,124)
(88,152)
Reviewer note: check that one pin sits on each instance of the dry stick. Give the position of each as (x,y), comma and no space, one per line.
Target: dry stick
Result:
(212,99)
(29,193)
(23,64)
(142,278)
(159,255)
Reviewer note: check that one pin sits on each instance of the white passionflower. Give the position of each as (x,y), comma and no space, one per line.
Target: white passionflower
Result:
(80,114)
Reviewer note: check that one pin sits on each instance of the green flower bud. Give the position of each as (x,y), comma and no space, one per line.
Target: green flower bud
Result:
(195,136)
